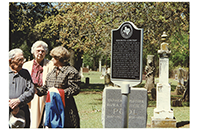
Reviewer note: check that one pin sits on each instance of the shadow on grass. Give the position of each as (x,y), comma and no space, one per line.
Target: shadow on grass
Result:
(182,123)
(99,103)
(92,87)
(98,87)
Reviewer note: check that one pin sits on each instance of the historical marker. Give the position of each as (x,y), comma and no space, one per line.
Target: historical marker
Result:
(126,59)
(126,62)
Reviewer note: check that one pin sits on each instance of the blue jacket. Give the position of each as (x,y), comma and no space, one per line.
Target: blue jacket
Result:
(54,109)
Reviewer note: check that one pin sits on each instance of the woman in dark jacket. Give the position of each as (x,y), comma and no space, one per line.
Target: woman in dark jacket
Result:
(67,78)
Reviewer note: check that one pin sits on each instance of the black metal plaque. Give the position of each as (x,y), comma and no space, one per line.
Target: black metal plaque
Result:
(126,59)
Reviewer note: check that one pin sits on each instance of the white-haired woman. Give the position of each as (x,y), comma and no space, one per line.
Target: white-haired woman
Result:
(39,67)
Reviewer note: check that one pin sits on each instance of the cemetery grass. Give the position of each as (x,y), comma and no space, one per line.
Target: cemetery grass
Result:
(89,103)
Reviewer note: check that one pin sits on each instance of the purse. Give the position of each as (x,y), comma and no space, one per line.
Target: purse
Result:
(18,120)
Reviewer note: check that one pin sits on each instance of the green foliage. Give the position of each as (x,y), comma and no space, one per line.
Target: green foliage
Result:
(87,60)
(180,50)
(23,17)
(86,26)
(93,57)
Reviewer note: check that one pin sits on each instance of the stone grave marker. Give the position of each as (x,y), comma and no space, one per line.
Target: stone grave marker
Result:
(85,70)
(103,70)
(81,72)
(99,65)
(112,108)
(180,88)
(87,80)
(150,70)
(163,114)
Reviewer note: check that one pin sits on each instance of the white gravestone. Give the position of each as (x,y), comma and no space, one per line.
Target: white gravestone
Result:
(99,65)
(163,104)
(81,73)
(103,69)
(163,114)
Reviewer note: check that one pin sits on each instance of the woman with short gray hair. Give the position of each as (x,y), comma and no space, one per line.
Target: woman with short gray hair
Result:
(37,44)
(39,67)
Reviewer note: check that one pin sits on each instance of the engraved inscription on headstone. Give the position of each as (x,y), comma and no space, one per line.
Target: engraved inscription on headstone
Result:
(112,108)
(126,52)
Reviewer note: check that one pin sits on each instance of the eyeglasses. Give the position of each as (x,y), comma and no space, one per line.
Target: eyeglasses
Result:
(55,57)
(20,59)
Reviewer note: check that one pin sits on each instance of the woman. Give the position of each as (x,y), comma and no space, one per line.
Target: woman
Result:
(39,67)
(67,78)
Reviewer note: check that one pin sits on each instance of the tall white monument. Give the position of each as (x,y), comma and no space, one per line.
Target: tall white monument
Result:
(163,114)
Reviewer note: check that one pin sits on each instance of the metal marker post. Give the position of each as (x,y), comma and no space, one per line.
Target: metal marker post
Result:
(125,90)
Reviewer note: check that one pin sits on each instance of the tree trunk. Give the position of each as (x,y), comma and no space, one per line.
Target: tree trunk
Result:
(72,58)
(94,63)
(75,59)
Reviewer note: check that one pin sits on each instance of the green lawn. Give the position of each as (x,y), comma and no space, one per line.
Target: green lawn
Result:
(89,107)
(89,103)
(94,77)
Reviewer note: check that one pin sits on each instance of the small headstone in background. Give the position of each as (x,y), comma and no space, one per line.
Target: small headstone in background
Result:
(81,73)
(177,103)
(99,65)
(107,80)
(85,70)
(87,80)
(180,88)
(103,70)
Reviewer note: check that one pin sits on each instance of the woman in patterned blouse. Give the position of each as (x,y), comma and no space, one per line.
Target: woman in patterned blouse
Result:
(67,78)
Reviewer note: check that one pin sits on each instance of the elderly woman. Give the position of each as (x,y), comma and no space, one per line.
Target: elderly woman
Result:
(39,67)
(63,77)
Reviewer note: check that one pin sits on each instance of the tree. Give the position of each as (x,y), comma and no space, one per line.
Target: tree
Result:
(154,18)
(22,19)
(77,26)
(85,27)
